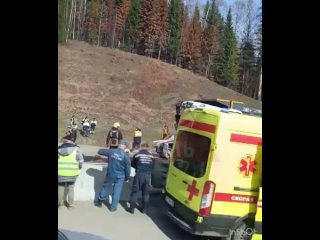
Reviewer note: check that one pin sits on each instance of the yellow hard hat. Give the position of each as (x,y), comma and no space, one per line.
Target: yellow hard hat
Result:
(116,125)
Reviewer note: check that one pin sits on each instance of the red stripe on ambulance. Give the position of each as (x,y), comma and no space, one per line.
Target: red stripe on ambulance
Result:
(226,197)
(198,125)
(245,139)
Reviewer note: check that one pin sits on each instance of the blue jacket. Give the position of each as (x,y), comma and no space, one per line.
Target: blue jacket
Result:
(143,161)
(118,162)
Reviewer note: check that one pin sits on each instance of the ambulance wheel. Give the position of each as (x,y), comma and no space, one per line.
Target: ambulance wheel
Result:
(242,232)
(159,174)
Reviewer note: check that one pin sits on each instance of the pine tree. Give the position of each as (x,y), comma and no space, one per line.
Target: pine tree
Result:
(151,28)
(249,73)
(185,24)
(92,23)
(247,64)
(193,49)
(134,24)
(109,25)
(174,30)
(205,14)
(211,42)
(229,71)
(163,38)
(123,8)
(62,21)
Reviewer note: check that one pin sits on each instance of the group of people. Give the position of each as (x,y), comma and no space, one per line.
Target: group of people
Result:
(70,161)
(88,127)
(118,172)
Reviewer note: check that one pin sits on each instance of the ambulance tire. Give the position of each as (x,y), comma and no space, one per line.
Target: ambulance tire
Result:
(242,232)
(159,174)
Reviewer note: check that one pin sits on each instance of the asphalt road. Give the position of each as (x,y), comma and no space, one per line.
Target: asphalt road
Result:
(121,225)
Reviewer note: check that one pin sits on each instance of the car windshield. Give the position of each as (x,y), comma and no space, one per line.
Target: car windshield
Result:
(191,153)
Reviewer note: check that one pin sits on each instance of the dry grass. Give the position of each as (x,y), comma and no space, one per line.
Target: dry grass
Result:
(112,85)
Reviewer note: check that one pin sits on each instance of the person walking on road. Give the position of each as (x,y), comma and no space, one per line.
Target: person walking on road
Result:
(137,139)
(70,160)
(143,162)
(118,171)
(114,136)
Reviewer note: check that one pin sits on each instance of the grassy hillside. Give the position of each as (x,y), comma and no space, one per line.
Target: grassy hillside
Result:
(112,85)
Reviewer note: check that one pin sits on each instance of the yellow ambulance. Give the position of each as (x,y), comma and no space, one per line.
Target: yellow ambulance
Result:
(215,168)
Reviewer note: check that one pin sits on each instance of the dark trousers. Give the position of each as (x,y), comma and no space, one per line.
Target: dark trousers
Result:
(141,182)
(136,142)
(177,116)
(74,135)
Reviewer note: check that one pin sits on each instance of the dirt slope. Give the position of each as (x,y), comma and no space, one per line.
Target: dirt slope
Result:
(112,85)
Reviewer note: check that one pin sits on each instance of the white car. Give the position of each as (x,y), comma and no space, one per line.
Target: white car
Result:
(192,104)
(164,146)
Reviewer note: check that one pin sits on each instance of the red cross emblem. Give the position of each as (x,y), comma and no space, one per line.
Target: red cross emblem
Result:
(247,165)
(192,190)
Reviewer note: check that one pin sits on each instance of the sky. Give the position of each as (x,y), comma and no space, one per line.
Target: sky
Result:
(224,9)
(239,26)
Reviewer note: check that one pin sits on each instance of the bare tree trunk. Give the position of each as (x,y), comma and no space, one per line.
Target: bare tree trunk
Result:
(159,53)
(74,19)
(124,33)
(243,81)
(152,50)
(84,16)
(70,19)
(208,66)
(169,32)
(260,86)
(114,31)
(79,21)
(102,9)
(66,17)
(248,86)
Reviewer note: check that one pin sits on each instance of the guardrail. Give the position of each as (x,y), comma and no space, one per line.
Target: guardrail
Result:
(90,180)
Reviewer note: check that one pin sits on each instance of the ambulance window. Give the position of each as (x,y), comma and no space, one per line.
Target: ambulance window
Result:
(191,153)
(238,106)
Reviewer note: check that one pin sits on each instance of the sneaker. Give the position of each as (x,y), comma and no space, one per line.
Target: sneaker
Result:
(113,209)
(98,203)
(144,209)
(131,208)
(72,206)
(110,199)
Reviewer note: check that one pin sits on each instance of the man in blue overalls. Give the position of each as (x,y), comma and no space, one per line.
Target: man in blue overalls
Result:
(143,162)
(118,171)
